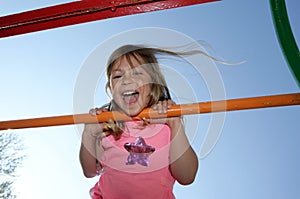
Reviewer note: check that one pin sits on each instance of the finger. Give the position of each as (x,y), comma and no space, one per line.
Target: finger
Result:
(155,107)
(92,112)
(99,111)
(160,107)
(170,103)
(96,111)
(164,106)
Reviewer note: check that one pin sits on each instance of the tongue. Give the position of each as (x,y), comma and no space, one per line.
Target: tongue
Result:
(130,99)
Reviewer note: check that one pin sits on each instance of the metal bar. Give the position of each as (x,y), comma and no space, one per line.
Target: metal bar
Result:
(174,111)
(82,12)
(285,37)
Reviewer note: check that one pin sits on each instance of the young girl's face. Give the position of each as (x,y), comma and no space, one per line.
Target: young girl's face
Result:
(130,86)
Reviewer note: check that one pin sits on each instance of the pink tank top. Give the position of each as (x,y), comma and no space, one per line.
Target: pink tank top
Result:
(122,180)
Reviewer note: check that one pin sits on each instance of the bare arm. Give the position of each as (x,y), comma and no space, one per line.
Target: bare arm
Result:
(87,155)
(89,146)
(184,161)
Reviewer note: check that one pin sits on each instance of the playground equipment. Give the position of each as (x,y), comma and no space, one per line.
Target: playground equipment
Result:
(86,11)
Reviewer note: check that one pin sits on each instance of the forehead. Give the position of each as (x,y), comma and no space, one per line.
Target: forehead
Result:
(127,62)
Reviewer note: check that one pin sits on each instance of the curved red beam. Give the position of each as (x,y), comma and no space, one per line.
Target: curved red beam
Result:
(82,12)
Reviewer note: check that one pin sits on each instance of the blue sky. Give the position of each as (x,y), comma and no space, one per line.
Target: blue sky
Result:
(257,153)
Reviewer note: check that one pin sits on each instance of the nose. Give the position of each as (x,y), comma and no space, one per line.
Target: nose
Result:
(127,78)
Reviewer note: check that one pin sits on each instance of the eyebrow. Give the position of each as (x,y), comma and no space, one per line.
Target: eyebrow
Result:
(131,68)
(116,70)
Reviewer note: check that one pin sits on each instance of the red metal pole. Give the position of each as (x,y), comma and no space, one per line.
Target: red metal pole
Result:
(81,12)
(174,111)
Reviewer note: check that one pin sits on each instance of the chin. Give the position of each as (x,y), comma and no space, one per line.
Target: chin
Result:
(132,113)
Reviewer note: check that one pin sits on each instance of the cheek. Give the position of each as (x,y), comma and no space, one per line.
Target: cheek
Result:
(146,85)
(146,81)
(114,86)
(146,90)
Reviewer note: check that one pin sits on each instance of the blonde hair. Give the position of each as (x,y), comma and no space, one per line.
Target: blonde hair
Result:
(147,56)
(143,55)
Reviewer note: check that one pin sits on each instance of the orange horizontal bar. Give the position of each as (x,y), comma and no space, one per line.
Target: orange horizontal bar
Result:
(174,111)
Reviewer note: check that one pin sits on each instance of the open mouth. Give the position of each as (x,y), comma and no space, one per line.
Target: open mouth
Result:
(130,97)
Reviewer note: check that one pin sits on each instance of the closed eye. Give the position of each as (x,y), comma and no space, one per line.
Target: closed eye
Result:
(137,73)
(116,76)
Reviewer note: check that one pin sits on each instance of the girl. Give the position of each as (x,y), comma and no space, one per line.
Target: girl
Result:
(137,159)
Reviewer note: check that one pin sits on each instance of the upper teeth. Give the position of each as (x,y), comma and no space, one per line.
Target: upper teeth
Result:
(129,93)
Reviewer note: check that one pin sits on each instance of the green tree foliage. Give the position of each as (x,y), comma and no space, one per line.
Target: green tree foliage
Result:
(11,156)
